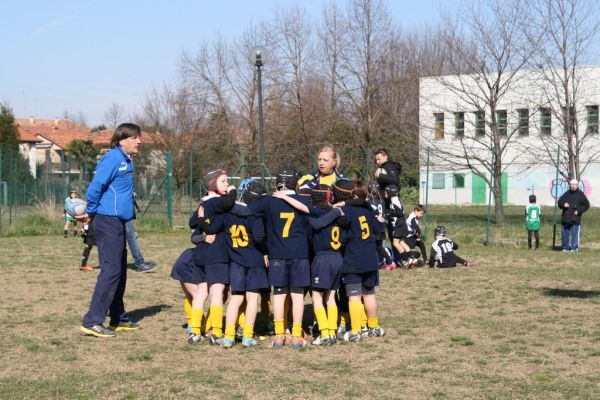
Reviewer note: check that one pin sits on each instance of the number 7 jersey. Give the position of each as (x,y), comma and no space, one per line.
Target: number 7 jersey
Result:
(287,229)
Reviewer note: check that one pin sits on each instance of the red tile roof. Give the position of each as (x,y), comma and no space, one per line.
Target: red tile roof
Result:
(62,132)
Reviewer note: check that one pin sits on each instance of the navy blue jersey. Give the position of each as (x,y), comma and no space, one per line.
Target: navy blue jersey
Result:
(360,253)
(329,238)
(287,229)
(217,251)
(241,234)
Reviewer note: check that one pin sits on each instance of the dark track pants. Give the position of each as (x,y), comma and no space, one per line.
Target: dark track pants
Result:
(111,282)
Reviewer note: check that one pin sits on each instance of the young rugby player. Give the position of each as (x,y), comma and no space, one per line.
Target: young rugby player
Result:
(245,237)
(287,241)
(532,221)
(378,206)
(415,237)
(360,272)
(442,251)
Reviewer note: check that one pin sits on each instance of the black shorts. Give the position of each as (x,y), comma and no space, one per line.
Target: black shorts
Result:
(400,229)
(186,271)
(411,242)
(289,273)
(326,270)
(362,283)
(247,279)
(217,273)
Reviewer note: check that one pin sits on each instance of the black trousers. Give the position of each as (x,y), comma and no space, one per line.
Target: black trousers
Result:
(537,238)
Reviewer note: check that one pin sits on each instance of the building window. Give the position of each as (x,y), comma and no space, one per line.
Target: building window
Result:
(459,181)
(479,123)
(459,124)
(545,121)
(439,181)
(523,121)
(592,119)
(439,125)
(502,122)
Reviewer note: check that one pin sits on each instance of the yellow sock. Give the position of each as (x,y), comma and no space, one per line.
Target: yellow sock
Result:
(363,317)
(216,317)
(321,317)
(230,331)
(332,318)
(196,320)
(187,310)
(279,331)
(356,310)
(249,331)
(241,319)
(373,322)
(297,329)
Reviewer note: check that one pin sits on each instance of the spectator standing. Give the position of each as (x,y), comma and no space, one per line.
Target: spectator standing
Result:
(573,204)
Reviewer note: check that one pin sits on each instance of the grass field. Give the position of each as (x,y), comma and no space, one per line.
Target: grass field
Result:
(519,325)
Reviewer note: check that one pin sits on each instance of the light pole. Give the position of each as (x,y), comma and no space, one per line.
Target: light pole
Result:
(258,58)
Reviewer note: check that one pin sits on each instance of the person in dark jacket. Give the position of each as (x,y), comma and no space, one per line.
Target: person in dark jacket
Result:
(573,204)
(388,172)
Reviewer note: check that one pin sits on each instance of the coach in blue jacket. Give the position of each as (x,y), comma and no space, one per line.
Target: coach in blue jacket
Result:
(109,207)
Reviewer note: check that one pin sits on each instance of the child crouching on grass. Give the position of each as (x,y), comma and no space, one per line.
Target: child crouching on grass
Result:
(442,251)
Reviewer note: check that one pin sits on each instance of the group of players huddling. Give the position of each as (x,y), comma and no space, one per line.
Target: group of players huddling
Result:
(320,234)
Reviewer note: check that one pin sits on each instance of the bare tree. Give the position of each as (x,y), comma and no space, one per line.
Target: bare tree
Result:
(494,59)
(114,115)
(567,28)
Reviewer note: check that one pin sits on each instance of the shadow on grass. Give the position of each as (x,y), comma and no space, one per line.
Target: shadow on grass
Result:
(141,313)
(580,294)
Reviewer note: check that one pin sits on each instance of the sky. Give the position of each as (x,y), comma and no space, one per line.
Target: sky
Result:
(82,56)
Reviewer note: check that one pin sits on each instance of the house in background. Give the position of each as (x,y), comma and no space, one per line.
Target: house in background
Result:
(43,142)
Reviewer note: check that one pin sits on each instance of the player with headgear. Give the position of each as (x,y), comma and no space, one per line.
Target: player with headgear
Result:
(360,272)
(287,242)
(442,251)
(245,237)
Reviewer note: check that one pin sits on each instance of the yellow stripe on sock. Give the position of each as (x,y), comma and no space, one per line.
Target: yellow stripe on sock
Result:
(249,331)
(279,330)
(196,320)
(373,322)
(321,317)
(230,331)
(216,317)
(332,318)
(356,309)
(297,329)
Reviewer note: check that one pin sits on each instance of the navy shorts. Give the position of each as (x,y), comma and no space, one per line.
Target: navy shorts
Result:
(185,270)
(247,279)
(289,273)
(362,283)
(326,270)
(217,273)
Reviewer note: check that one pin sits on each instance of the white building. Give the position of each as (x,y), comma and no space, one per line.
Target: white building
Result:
(529,121)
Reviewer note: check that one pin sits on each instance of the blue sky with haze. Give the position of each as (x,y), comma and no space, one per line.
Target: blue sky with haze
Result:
(81,56)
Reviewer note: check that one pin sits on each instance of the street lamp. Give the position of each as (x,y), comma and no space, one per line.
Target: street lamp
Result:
(258,57)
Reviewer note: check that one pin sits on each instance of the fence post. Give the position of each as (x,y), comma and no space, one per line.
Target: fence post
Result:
(2,195)
(191,179)
(366,166)
(426,195)
(555,199)
(170,188)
